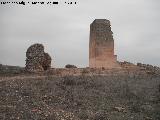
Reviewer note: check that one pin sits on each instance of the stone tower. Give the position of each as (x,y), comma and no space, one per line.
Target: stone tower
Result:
(101,45)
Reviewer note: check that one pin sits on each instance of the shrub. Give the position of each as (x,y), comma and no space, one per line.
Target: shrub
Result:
(70,66)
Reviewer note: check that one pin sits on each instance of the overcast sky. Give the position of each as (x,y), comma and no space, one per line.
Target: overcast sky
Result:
(64,30)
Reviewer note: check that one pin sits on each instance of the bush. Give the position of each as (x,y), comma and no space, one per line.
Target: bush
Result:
(70,66)
(68,80)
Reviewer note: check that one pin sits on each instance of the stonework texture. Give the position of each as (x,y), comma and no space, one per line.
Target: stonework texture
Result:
(101,45)
(36,59)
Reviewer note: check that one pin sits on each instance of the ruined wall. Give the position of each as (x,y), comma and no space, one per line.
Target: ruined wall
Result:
(37,59)
(149,68)
(101,45)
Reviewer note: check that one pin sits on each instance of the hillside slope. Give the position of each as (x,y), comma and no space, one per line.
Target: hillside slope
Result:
(97,97)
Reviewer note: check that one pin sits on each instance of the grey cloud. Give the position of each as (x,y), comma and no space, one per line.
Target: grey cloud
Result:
(64,30)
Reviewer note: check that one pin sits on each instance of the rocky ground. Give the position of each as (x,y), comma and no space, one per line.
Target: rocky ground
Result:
(83,97)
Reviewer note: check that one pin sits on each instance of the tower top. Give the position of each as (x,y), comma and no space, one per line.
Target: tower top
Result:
(101,21)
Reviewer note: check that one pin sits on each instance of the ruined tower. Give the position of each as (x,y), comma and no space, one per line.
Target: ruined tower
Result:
(101,45)
(36,59)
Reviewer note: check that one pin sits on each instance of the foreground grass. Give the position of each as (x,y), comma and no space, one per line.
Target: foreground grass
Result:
(80,98)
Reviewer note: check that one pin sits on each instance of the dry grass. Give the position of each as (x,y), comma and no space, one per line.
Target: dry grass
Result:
(80,98)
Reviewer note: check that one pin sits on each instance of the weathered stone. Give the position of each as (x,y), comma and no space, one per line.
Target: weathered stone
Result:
(101,45)
(46,62)
(119,109)
(37,59)
(126,64)
(149,68)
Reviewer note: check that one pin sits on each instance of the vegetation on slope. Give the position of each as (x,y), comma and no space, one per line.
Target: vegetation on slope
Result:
(80,98)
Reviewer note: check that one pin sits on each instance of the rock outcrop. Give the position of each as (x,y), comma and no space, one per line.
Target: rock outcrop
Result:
(36,59)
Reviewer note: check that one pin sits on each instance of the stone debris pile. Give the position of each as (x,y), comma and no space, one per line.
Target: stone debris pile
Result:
(126,64)
(151,68)
(36,59)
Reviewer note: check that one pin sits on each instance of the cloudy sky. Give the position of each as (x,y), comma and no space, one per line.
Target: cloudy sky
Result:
(64,30)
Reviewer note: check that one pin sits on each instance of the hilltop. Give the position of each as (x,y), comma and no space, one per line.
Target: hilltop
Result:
(129,93)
